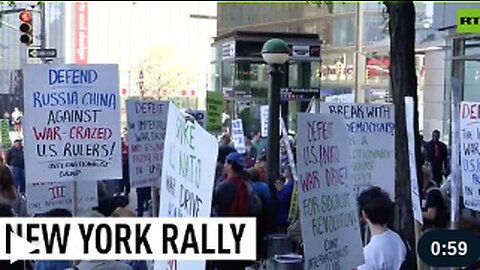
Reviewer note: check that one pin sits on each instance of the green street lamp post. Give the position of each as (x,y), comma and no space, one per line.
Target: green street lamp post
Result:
(275,52)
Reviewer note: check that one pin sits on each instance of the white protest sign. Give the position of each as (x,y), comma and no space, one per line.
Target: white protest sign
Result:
(412,161)
(200,116)
(342,98)
(188,173)
(328,209)
(372,143)
(470,154)
(45,196)
(72,122)
(238,137)
(264,120)
(147,123)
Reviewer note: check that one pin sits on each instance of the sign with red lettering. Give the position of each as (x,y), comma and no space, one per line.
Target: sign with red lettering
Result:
(80,12)
(43,197)
(470,154)
(147,121)
(72,122)
(328,209)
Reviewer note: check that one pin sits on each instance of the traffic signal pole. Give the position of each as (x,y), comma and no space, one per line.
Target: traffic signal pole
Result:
(43,33)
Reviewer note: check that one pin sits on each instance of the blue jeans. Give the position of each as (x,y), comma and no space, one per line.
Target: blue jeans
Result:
(19,178)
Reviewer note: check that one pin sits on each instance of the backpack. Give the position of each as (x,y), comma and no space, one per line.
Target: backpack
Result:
(409,261)
(254,201)
(444,217)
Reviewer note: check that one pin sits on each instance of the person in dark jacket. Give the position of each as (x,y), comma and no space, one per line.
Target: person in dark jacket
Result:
(437,155)
(225,148)
(284,188)
(16,162)
(230,199)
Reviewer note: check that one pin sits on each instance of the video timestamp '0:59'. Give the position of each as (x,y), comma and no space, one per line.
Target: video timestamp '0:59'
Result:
(449,248)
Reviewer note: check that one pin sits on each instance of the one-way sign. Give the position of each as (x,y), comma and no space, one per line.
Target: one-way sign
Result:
(42,53)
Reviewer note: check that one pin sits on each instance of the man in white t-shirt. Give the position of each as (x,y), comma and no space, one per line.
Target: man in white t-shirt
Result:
(386,249)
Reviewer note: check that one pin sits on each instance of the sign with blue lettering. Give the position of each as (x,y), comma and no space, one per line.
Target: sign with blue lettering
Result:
(200,116)
(72,123)
(147,123)
(237,136)
(372,143)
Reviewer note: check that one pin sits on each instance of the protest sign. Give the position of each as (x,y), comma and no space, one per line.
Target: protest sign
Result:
(328,209)
(412,160)
(45,196)
(237,136)
(5,128)
(342,98)
(147,123)
(470,154)
(372,143)
(72,123)
(200,116)
(188,173)
(264,120)
(214,112)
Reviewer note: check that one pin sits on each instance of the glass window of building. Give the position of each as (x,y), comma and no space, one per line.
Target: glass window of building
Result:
(338,68)
(344,31)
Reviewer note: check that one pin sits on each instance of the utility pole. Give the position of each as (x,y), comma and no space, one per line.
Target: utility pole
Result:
(359,58)
(43,33)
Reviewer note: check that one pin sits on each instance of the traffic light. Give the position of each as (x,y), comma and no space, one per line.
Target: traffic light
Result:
(26,27)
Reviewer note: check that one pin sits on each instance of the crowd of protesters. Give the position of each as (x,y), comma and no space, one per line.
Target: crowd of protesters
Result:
(242,189)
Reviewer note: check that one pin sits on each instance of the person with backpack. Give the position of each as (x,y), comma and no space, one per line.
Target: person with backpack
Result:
(434,211)
(386,249)
(232,198)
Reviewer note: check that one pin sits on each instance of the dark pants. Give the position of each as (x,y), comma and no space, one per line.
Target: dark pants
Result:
(126,179)
(143,196)
(19,178)
(233,265)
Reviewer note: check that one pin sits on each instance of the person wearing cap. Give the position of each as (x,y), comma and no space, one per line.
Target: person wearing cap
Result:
(231,199)
(17,164)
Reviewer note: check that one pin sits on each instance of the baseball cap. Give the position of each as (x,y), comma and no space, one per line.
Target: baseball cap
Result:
(237,159)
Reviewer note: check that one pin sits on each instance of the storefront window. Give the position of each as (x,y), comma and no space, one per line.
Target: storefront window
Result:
(376,69)
(344,31)
(472,75)
(338,68)
(228,72)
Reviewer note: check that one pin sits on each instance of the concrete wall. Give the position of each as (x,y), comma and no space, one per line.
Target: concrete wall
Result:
(434,92)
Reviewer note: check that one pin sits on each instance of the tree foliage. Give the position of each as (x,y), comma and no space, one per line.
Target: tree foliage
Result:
(161,72)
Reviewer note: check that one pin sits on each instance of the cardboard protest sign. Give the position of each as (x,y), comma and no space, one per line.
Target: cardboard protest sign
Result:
(372,143)
(5,129)
(214,111)
(412,161)
(470,154)
(188,173)
(238,137)
(264,120)
(200,116)
(72,122)
(45,196)
(147,123)
(328,209)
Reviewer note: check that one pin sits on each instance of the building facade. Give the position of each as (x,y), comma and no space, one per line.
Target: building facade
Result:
(168,41)
(338,72)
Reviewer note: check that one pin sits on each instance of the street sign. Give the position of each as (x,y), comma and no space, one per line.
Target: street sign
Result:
(42,53)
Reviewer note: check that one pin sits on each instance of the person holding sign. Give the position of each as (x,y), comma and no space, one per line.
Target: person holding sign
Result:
(386,249)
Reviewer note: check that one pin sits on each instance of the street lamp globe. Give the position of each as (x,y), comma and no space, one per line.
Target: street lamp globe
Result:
(275,52)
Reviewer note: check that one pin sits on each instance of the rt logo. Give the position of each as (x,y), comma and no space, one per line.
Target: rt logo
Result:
(468,20)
